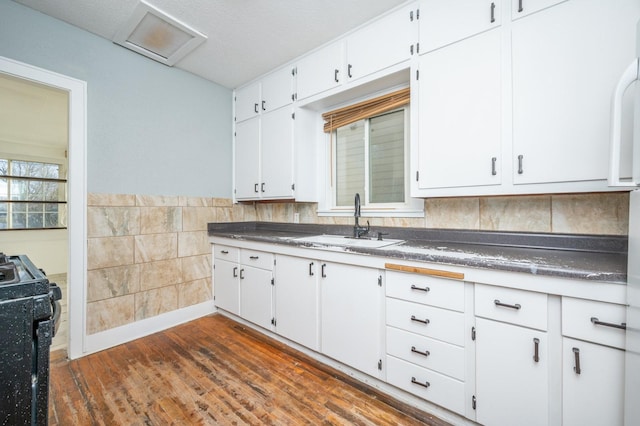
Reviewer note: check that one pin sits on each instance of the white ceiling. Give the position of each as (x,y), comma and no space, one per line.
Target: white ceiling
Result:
(246,38)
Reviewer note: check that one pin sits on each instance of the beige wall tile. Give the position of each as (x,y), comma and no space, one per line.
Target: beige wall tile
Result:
(112,221)
(247,211)
(110,251)
(112,200)
(193,243)
(405,222)
(452,213)
(155,302)
(523,214)
(264,212)
(195,202)
(222,202)
(160,274)
(158,220)
(149,248)
(196,267)
(112,282)
(282,212)
(197,218)
(606,214)
(308,212)
(194,292)
(109,313)
(156,201)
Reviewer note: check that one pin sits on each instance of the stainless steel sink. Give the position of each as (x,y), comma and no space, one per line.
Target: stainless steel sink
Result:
(342,241)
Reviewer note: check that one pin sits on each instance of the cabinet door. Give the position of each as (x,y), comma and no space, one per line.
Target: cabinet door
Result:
(296,300)
(226,287)
(520,8)
(390,37)
(511,386)
(566,62)
(320,71)
(277,154)
(247,159)
(277,89)
(256,300)
(247,102)
(443,23)
(459,114)
(352,316)
(592,384)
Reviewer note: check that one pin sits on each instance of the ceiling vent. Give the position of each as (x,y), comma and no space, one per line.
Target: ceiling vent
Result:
(153,33)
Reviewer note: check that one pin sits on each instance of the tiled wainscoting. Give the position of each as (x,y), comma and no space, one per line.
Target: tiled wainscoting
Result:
(148,255)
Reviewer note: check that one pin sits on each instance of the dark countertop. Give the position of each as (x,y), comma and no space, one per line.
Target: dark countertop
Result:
(587,257)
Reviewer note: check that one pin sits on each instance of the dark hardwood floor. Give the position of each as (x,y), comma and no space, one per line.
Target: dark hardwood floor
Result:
(213,371)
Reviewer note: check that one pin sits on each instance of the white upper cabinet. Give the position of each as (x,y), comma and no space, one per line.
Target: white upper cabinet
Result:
(520,8)
(566,62)
(248,102)
(276,154)
(459,114)
(320,71)
(277,89)
(247,159)
(385,42)
(445,22)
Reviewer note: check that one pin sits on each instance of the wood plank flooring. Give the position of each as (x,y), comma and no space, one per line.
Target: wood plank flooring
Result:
(214,371)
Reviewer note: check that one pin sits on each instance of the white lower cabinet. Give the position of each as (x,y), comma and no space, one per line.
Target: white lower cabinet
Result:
(297,301)
(593,362)
(352,316)
(256,287)
(511,381)
(592,384)
(226,279)
(512,362)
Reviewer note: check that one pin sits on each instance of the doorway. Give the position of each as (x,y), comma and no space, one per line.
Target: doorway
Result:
(73,93)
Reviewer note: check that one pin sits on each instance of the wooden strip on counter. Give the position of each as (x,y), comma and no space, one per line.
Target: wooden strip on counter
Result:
(425,271)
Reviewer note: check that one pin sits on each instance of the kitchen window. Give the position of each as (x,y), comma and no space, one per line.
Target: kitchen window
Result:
(369,155)
(33,195)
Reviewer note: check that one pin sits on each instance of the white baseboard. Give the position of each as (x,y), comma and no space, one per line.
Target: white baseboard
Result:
(126,333)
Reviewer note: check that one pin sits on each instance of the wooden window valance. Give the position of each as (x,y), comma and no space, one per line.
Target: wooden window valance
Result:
(352,113)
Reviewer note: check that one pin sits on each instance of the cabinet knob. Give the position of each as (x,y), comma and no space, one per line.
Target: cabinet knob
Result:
(536,348)
(520,170)
(493,166)
(576,355)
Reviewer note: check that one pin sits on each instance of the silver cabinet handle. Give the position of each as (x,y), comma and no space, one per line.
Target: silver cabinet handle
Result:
(536,347)
(596,321)
(576,355)
(415,382)
(415,287)
(506,305)
(423,353)
(493,166)
(424,321)
(520,169)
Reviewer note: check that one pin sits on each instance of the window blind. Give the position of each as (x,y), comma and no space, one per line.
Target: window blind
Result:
(356,112)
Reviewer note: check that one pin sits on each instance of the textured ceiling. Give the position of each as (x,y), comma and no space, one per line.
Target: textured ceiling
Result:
(246,38)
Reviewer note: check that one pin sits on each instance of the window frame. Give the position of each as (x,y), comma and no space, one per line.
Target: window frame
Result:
(411,207)
(62,216)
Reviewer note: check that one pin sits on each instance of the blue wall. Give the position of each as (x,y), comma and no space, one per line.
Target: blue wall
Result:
(152,129)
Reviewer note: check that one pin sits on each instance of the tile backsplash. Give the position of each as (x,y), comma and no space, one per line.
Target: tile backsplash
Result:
(148,255)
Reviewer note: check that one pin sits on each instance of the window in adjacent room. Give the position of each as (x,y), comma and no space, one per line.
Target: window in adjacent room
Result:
(32,195)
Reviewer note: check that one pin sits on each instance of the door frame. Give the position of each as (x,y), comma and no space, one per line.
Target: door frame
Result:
(77,192)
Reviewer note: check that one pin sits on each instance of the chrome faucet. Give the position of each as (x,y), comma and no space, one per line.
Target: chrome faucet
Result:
(359,231)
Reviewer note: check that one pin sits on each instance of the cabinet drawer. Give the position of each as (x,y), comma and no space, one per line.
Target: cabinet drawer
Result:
(580,320)
(440,292)
(231,254)
(427,384)
(429,321)
(257,259)
(511,305)
(426,352)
